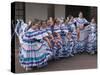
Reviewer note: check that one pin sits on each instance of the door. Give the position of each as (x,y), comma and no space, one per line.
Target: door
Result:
(74,10)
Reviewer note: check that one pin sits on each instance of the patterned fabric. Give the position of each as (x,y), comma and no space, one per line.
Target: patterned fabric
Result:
(63,33)
(32,58)
(81,46)
(49,30)
(82,40)
(44,33)
(56,48)
(71,26)
(64,28)
(33,51)
(57,28)
(92,38)
(75,41)
(80,21)
(20,29)
(70,46)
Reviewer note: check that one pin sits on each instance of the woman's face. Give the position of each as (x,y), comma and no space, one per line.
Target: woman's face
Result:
(29,22)
(50,18)
(39,26)
(33,27)
(71,18)
(50,23)
(58,22)
(67,18)
(44,24)
(81,15)
(93,20)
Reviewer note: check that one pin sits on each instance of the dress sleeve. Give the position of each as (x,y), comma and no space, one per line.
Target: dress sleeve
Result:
(18,28)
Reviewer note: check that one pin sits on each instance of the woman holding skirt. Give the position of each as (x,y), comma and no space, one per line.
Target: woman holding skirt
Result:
(33,51)
(82,33)
(92,37)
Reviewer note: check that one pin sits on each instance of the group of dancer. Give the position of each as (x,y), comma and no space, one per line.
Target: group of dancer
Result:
(44,40)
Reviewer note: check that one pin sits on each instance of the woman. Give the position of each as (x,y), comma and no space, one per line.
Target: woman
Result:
(72,35)
(64,39)
(92,37)
(33,49)
(56,42)
(44,33)
(82,33)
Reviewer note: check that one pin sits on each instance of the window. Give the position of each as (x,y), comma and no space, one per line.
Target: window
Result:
(20,10)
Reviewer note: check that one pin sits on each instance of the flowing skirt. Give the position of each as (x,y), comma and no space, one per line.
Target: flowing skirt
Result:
(56,49)
(81,44)
(64,51)
(30,56)
(92,43)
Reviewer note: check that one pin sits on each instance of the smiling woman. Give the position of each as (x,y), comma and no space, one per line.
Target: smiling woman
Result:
(47,34)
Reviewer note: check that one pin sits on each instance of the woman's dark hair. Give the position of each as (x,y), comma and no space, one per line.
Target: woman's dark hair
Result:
(70,16)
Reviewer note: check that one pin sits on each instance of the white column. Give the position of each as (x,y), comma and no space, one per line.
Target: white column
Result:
(60,11)
(33,10)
